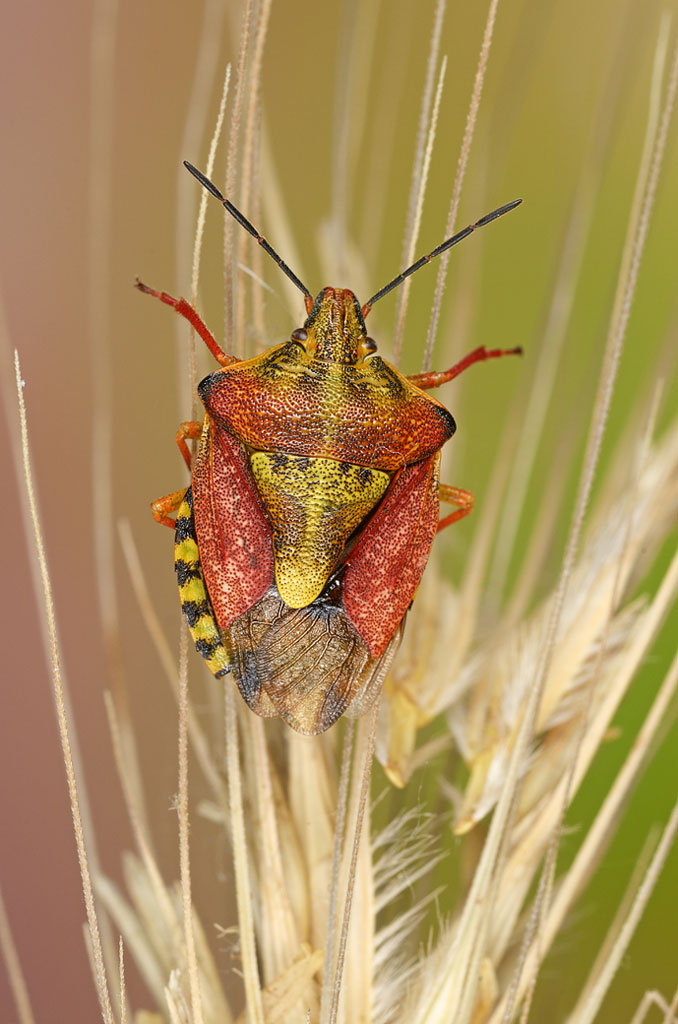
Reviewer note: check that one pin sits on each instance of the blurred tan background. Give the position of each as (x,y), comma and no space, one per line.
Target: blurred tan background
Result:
(551,68)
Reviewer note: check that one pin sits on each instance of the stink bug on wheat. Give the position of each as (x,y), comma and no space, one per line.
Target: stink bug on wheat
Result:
(313,503)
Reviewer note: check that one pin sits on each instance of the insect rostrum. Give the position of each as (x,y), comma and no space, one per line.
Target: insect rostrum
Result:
(313,505)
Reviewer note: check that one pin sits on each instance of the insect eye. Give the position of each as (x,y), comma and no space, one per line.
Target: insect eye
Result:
(370,345)
(300,335)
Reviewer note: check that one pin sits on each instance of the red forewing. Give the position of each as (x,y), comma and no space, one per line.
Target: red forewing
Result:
(390,554)
(234,537)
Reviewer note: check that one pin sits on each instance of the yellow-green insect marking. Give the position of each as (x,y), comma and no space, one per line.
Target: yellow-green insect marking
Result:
(195,602)
(314,506)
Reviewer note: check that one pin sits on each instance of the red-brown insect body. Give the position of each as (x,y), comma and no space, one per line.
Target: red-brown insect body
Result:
(327,418)
(313,506)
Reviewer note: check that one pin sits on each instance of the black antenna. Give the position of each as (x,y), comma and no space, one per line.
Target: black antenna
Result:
(441,249)
(243,221)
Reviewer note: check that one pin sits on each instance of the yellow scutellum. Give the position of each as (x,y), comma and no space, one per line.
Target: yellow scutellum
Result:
(331,917)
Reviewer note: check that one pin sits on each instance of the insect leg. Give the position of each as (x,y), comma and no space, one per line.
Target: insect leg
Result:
(163,506)
(455,496)
(191,430)
(185,309)
(434,379)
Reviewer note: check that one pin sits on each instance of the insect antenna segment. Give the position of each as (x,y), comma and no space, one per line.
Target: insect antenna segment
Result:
(443,247)
(243,221)
(268,248)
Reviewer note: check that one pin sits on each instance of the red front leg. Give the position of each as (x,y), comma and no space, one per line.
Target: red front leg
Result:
(433,379)
(186,310)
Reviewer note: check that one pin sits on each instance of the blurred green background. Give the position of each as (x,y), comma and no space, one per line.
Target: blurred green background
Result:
(565,100)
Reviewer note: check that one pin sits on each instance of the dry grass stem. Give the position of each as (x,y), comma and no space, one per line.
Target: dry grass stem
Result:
(199,235)
(278,216)
(339,834)
(423,133)
(423,146)
(209,171)
(651,999)
(471,589)
(352,875)
(164,905)
(510,894)
(62,715)
(102,106)
(542,537)
(149,614)
(621,913)
(645,188)
(247,182)
(199,741)
(391,88)
(537,915)
(606,640)
(102,77)
(205,71)
(586,1012)
(554,333)
(257,329)
(230,269)
(600,832)
(15,974)
(240,862)
(462,164)
(422,176)
(184,854)
(355,49)
(155,940)
(123,990)
(279,942)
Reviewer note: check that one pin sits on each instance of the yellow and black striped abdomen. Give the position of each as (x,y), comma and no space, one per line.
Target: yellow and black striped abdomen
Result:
(195,602)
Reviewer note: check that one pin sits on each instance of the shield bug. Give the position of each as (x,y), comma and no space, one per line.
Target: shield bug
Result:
(313,503)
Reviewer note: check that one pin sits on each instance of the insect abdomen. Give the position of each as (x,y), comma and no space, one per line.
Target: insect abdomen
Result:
(195,601)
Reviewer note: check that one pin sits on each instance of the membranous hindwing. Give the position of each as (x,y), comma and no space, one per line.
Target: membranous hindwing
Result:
(307,665)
